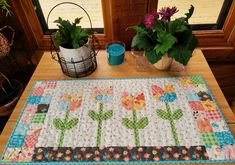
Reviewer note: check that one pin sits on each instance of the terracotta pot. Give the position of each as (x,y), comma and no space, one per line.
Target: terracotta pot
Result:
(164,63)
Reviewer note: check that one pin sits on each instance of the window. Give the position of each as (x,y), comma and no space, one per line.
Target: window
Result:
(208,14)
(70,12)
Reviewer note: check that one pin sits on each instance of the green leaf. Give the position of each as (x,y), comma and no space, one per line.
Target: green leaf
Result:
(141,41)
(191,42)
(71,36)
(139,29)
(56,38)
(58,124)
(178,25)
(180,54)
(128,123)
(166,41)
(163,114)
(93,115)
(77,20)
(107,115)
(152,56)
(142,123)
(177,114)
(158,26)
(6,8)
(190,13)
(72,123)
(186,39)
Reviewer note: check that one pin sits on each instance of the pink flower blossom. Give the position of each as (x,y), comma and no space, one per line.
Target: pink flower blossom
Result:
(167,12)
(149,21)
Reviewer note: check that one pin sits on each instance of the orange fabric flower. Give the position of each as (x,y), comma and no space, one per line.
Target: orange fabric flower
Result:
(133,103)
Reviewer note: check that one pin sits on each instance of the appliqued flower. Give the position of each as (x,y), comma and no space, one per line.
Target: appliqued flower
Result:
(131,102)
(74,101)
(167,95)
(104,95)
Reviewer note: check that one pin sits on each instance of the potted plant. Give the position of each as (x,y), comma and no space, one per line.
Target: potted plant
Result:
(72,41)
(164,40)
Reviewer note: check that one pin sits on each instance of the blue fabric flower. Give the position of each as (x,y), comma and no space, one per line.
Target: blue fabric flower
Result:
(104,98)
(168,97)
(99,97)
(107,98)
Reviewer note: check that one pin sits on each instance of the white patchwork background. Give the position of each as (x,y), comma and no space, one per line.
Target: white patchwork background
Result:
(157,133)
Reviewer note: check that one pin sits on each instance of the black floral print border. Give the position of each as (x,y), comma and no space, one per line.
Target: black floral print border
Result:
(91,154)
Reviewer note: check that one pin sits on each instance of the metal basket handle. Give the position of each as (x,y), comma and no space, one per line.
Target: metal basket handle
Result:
(62,3)
(13,33)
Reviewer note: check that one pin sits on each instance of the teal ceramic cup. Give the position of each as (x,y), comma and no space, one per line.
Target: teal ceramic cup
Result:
(116,52)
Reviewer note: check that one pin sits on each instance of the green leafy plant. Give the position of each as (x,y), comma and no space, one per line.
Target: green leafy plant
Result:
(5,7)
(159,35)
(69,35)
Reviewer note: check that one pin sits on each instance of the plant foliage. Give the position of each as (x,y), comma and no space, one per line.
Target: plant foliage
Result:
(5,7)
(69,35)
(159,35)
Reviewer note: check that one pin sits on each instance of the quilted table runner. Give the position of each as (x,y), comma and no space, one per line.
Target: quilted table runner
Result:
(153,120)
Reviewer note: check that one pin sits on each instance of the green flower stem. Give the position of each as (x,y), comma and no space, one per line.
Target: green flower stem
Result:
(61,140)
(173,128)
(99,131)
(136,131)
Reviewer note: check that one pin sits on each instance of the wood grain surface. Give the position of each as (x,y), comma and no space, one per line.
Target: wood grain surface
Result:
(48,69)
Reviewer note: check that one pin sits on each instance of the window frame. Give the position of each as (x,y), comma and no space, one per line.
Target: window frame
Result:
(208,39)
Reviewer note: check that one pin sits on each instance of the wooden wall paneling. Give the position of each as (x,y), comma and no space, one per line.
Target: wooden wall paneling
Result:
(126,13)
(152,5)
(24,24)
(31,17)
(229,22)
(225,75)
(108,20)
(219,53)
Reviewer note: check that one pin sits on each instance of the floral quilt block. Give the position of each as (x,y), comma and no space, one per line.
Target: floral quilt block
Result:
(150,120)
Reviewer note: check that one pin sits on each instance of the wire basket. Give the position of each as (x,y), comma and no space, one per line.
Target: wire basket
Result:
(5,44)
(72,67)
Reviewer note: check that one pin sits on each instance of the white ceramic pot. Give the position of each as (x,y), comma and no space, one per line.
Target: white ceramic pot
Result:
(164,63)
(76,55)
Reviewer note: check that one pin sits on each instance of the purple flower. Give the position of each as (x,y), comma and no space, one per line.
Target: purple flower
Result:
(167,12)
(149,20)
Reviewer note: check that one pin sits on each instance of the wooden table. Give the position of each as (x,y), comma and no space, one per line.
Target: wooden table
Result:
(48,69)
